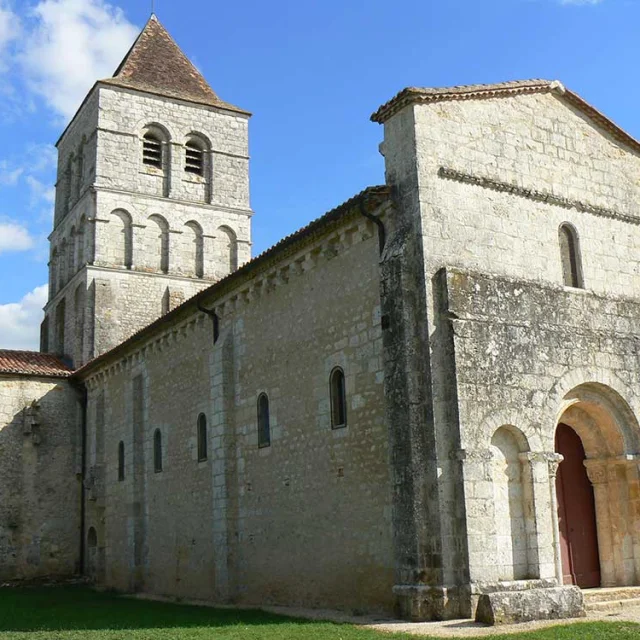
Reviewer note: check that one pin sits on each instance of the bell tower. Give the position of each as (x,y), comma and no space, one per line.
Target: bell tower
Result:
(152,200)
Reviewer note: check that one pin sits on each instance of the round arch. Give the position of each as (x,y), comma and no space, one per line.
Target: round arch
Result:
(603,459)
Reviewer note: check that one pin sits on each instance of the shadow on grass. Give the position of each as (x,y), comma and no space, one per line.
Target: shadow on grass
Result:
(78,613)
(80,608)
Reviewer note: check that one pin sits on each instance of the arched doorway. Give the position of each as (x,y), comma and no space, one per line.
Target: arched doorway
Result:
(597,489)
(576,513)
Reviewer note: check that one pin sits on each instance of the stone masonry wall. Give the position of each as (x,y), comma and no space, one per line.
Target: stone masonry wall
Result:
(521,351)
(190,232)
(464,173)
(122,121)
(539,143)
(306,520)
(40,500)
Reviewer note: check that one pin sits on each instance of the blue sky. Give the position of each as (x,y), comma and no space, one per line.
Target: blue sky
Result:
(311,71)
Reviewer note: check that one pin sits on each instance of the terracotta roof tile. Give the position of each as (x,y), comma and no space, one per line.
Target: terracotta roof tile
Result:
(412,95)
(32,363)
(156,64)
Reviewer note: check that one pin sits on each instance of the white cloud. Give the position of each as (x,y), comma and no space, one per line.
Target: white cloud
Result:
(9,176)
(20,321)
(70,44)
(14,237)
(40,191)
(9,25)
(42,157)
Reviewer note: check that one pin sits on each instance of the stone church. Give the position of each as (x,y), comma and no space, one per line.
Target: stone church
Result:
(425,402)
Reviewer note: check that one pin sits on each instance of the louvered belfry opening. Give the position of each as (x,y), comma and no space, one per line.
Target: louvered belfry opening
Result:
(152,151)
(194,158)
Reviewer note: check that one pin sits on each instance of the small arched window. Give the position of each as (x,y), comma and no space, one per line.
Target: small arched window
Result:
(264,429)
(120,461)
(194,158)
(152,150)
(202,437)
(338,399)
(92,538)
(157,451)
(570,257)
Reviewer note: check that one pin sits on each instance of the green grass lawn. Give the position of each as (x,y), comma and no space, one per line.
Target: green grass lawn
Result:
(79,613)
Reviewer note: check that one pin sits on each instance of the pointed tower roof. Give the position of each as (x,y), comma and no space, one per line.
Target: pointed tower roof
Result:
(156,64)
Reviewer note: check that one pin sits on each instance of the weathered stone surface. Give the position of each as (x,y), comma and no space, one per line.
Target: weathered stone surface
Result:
(508,607)
(137,230)
(40,458)
(461,341)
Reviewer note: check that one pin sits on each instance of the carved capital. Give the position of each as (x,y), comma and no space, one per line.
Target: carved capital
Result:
(554,460)
(596,471)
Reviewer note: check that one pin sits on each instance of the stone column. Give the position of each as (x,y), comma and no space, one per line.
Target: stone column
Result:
(597,472)
(541,514)
(553,461)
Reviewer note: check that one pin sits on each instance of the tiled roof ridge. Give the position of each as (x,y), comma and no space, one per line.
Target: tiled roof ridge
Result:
(155,63)
(32,363)
(411,95)
(276,250)
(417,95)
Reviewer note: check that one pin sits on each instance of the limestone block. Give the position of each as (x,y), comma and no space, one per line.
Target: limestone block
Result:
(507,607)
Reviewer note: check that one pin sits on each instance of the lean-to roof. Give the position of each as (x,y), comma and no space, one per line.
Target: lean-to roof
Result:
(32,363)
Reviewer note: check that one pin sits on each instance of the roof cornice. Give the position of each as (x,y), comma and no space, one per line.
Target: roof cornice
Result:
(417,95)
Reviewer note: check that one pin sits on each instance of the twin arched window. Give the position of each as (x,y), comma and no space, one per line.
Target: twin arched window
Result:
(153,155)
(570,256)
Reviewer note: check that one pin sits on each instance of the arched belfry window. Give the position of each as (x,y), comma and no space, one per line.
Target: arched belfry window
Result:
(194,157)
(120,461)
(338,399)
(157,451)
(152,150)
(202,437)
(570,257)
(264,428)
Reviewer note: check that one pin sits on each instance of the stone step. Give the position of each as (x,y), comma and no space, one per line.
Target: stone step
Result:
(613,605)
(610,595)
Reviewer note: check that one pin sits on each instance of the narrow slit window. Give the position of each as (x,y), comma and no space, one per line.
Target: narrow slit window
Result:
(157,451)
(264,428)
(194,158)
(338,399)
(152,151)
(570,257)
(120,461)
(202,437)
